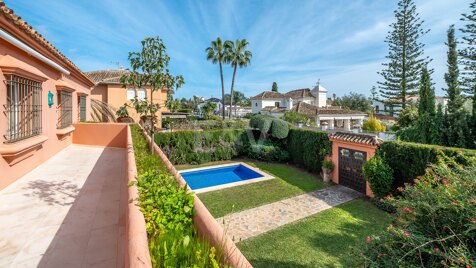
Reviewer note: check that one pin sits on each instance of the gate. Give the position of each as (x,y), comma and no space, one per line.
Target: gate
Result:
(350,169)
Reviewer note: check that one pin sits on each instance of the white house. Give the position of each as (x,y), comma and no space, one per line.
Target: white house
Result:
(386,107)
(218,103)
(312,103)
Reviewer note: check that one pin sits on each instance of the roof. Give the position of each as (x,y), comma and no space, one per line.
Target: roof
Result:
(268,95)
(28,29)
(213,100)
(386,117)
(106,76)
(357,138)
(313,110)
(274,109)
(299,93)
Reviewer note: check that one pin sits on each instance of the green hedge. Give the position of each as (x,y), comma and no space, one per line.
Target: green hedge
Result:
(307,148)
(269,153)
(409,160)
(195,147)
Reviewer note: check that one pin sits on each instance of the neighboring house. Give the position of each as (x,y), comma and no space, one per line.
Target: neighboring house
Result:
(41,95)
(331,117)
(237,111)
(386,108)
(108,89)
(218,108)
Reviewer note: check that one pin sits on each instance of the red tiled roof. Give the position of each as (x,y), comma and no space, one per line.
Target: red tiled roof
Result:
(299,93)
(357,138)
(268,95)
(312,110)
(106,76)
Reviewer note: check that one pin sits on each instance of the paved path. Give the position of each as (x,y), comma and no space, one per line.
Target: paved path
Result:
(67,212)
(252,222)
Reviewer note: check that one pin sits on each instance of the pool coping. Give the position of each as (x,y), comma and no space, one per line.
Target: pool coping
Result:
(265,177)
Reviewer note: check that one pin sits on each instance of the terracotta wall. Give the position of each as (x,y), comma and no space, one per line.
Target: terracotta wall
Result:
(14,164)
(369,149)
(101,134)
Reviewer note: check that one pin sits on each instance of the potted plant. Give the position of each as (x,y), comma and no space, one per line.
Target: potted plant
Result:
(327,168)
(123,115)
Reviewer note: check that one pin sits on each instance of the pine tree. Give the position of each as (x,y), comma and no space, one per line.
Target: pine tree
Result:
(274,87)
(402,72)
(457,118)
(468,60)
(426,108)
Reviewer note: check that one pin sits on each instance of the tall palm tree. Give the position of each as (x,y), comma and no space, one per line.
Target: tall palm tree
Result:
(216,53)
(238,56)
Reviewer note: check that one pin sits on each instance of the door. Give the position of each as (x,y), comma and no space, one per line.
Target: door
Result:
(350,169)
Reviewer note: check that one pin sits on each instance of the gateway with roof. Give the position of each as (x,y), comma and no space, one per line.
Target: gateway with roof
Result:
(312,103)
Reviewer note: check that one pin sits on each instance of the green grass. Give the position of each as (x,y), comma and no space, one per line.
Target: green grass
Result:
(289,181)
(323,240)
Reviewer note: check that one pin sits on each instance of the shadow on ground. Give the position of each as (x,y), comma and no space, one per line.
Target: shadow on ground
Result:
(53,193)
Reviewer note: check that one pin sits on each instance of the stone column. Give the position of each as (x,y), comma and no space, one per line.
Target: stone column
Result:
(347,124)
(318,121)
(331,124)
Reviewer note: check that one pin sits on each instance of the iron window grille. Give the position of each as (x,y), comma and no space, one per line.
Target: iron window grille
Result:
(65,109)
(23,108)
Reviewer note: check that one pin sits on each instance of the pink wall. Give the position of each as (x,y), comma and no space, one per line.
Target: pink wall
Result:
(13,163)
(101,134)
(369,149)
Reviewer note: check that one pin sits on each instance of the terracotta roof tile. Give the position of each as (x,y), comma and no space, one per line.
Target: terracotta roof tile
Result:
(28,29)
(274,109)
(312,110)
(268,95)
(357,138)
(299,93)
(106,76)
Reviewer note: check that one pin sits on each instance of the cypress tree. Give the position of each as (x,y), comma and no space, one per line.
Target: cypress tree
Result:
(274,88)
(458,127)
(402,72)
(426,108)
(468,60)
(438,127)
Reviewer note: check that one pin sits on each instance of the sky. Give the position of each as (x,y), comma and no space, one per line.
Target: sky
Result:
(294,43)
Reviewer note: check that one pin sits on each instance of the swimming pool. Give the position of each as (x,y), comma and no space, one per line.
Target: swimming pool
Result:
(223,176)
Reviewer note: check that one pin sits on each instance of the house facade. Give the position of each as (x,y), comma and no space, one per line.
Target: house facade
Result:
(42,95)
(313,103)
(386,108)
(108,89)
(218,106)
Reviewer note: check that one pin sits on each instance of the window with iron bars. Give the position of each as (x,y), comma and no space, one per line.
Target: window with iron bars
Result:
(65,109)
(23,108)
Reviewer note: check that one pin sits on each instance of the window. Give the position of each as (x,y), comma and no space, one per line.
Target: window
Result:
(131,93)
(23,108)
(82,108)
(377,109)
(256,104)
(276,104)
(142,94)
(65,109)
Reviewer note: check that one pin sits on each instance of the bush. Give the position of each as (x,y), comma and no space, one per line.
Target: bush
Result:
(279,129)
(307,148)
(373,125)
(435,223)
(267,153)
(379,175)
(409,160)
(211,124)
(297,118)
(264,123)
(195,147)
(328,164)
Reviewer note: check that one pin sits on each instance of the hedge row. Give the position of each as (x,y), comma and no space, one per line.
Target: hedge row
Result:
(410,160)
(211,124)
(195,147)
(307,148)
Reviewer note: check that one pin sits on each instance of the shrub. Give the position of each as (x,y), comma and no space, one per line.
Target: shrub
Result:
(268,153)
(435,223)
(211,124)
(279,129)
(409,160)
(307,148)
(373,124)
(379,175)
(264,123)
(296,118)
(195,147)
(328,164)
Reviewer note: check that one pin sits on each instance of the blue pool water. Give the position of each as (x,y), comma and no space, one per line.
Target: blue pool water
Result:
(218,176)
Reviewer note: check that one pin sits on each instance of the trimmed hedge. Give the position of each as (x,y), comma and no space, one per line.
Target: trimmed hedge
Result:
(307,148)
(267,124)
(410,160)
(195,147)
(268,153)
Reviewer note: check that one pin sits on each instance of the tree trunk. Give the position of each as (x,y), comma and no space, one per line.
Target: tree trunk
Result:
(232,87)
(222,92)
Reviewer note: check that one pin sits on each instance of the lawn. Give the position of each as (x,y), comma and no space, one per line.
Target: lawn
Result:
(323,240)
(289,181)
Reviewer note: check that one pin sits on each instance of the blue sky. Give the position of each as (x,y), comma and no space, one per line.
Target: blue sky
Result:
(293,42)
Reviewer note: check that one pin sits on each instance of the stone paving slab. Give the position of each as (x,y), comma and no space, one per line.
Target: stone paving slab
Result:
(252,222)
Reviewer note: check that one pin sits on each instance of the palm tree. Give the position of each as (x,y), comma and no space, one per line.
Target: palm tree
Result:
(237,56)
(216,53)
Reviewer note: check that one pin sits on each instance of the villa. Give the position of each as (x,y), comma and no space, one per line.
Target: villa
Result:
(313,103)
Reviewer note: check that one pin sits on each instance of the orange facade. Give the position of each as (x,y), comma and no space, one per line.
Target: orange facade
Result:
(27,82)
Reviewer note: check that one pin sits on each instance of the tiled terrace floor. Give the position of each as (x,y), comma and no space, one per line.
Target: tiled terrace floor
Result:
(68,212)
(255,221)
